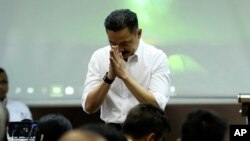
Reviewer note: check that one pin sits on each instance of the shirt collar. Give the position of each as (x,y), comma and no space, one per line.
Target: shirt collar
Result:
(138,51)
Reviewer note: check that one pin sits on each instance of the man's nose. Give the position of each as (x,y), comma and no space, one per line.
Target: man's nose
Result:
(120,49)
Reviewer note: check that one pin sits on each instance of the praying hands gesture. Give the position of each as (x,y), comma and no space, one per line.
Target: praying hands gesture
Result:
(117,64)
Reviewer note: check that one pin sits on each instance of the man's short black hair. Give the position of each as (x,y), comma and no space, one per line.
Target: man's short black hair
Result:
(2,70)
(120,19)
(52,126)
(203,125)
(144,119)
(106,131)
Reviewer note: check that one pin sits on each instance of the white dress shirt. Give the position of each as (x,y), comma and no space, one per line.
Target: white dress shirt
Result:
(148,66)
(18,111)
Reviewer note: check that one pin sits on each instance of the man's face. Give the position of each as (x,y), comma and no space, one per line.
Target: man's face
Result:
(3,85)
(126,41)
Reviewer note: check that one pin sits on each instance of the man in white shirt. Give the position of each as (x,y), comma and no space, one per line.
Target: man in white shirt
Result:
(18,111)
(126,72)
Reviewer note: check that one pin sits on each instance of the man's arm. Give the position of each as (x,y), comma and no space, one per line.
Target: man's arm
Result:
(141,94)
(97,94)
(96,97)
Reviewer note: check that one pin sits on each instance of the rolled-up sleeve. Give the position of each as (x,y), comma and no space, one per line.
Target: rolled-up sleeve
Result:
(160,81)
(92,78)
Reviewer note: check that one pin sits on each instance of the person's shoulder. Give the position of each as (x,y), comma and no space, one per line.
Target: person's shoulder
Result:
(16,102)
(103,50)
(150,49)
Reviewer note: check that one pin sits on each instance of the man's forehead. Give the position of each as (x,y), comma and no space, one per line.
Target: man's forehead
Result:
(119,36)
(120,42)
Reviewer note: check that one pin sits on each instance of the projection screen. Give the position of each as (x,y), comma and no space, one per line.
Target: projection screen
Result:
(45,46)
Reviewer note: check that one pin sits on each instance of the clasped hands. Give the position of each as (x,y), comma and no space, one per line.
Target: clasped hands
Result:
(116,66)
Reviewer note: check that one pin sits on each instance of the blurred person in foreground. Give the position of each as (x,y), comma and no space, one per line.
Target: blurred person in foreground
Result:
(108,132)
(203,125)
(79,135)
(146,122)
(51,127)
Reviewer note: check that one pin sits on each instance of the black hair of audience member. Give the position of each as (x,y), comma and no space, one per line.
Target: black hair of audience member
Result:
(50,127)
(145,119)
(203,125)
(26,120)
(108,132)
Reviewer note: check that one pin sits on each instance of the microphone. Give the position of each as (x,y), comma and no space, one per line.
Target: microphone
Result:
(33,126)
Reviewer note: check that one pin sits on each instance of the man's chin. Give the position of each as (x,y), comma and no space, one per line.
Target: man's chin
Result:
(125,56)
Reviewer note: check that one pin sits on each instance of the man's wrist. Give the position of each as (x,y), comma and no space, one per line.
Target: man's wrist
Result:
(110,76)
(107,79)
(125,77)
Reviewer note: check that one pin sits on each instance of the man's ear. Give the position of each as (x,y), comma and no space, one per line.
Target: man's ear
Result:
(139,32)
(178,139)
(151,137)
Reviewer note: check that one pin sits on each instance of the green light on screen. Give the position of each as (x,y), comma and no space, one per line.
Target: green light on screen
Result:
(56,91)
(180,63)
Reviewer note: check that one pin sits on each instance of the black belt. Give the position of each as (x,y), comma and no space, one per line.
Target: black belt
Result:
(117,126)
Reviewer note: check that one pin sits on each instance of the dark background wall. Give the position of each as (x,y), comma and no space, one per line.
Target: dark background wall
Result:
(175,112)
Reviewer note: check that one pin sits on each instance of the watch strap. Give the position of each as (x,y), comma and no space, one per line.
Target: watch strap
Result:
(107,80)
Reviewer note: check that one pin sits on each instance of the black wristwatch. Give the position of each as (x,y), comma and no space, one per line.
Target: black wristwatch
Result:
(107,80)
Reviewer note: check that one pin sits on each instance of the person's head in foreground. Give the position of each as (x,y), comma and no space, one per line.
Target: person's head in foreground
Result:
(80,135)
(50,127)
(203,125)
(106,131)
(146,122)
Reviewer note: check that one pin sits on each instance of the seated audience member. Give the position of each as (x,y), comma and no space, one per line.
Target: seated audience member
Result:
(4,114)
(146,122)
(105,130)
(50,127)
(3,122)
(203,125)
(17,109)
(79,135)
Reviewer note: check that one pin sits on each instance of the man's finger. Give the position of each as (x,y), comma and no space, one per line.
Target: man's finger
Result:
(120,54)
(115,54)
(112,60)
